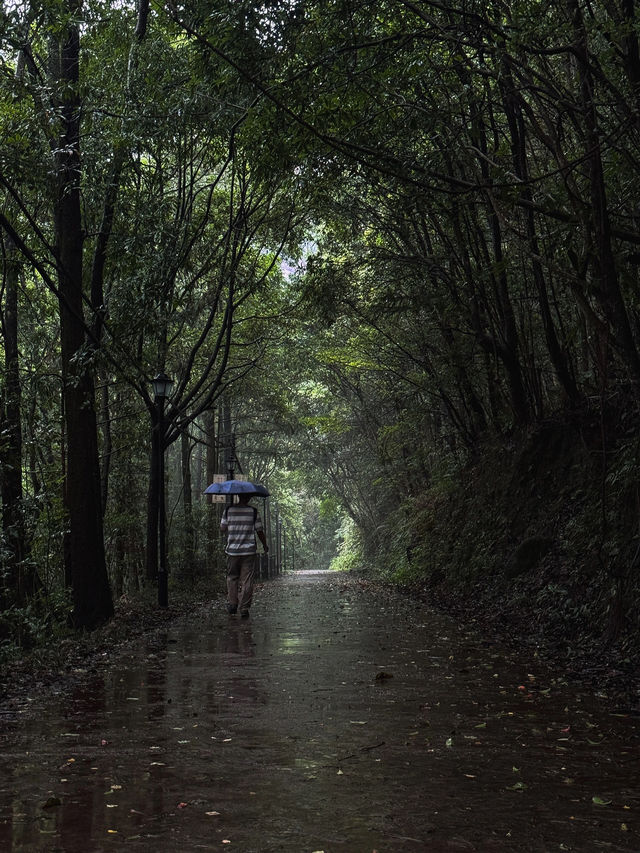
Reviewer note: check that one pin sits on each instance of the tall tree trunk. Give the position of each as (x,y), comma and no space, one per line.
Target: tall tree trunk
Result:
(187,502)
(507,347)
(18,580)
(92,602)
(515,120)
(228,439)
(107,440)
(609,293)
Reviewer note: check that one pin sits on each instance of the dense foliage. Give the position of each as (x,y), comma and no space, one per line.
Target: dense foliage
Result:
(368,239)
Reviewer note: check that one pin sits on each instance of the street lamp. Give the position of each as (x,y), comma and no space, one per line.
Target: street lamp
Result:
(162,385)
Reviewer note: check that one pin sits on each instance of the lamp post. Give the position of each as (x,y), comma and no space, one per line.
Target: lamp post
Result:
(162,385)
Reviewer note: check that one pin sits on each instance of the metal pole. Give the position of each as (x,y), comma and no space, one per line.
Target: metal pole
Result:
(163,586)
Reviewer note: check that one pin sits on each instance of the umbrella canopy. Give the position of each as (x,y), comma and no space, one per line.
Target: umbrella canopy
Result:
(236,487)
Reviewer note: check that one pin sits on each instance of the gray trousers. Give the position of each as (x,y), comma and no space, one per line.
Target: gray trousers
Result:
(241,571)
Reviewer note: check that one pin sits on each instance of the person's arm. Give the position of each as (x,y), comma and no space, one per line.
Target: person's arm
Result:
(263,539)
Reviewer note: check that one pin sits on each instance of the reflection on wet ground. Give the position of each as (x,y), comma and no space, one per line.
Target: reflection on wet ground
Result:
(336,719)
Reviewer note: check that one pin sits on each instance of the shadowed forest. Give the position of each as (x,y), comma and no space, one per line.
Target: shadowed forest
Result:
(388,252)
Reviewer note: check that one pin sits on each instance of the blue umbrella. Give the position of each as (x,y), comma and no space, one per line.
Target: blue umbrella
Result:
(236,487)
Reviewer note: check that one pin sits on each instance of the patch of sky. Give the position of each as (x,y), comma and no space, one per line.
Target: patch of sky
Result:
(290,267)
(272,18)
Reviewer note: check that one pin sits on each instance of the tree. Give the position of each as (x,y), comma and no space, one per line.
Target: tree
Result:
(86,565)
(18,578)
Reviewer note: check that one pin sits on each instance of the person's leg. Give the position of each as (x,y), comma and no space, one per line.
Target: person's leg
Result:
(247,575)
(234,566)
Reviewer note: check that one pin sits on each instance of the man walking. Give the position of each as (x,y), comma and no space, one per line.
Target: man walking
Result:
(241,523)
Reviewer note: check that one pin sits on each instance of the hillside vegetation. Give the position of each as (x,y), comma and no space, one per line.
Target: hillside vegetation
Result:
(537,541)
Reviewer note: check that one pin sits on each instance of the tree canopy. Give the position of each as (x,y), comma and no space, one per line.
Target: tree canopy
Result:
(363,238)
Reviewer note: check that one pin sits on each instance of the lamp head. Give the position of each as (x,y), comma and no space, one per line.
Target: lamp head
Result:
(162,385)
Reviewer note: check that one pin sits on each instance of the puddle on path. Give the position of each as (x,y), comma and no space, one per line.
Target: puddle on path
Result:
(333,720)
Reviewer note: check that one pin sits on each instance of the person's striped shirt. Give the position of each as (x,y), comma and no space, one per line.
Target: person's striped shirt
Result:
(240,522)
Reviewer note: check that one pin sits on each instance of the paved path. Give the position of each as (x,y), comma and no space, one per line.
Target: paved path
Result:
(336,719)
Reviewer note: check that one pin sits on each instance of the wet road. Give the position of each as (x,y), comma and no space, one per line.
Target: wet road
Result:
(335,719)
